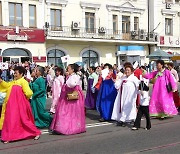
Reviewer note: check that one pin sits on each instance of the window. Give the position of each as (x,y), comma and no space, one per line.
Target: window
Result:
(168,26)
(177,1)
(136,23)
(90,22)
(168,1)
(125,24)
(0,13)
(15,14)
(56,19)
(54,57)
(32,16)
(90,58)
(115,24)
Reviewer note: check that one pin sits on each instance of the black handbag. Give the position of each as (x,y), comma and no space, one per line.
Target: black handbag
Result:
(168,85)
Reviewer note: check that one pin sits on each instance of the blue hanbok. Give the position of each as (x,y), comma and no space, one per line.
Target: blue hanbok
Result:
(105,100)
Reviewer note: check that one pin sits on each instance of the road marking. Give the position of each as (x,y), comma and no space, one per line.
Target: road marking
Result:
(46,131)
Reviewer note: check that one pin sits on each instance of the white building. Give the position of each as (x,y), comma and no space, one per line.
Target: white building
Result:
(165,21)
(91,31)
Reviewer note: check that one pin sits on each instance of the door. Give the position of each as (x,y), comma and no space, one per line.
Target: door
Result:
(15,59)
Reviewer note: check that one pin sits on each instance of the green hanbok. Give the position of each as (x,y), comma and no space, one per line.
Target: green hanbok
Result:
(38,103)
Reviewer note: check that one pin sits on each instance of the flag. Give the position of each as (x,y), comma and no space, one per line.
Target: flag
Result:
(4,66)
(65,58)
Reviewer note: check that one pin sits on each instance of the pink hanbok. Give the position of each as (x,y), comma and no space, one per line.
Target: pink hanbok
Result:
(70,115)
(56,91)
(161,103)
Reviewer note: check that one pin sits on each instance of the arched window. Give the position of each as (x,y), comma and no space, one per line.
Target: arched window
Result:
(15,52)
(90,58)
(54,57)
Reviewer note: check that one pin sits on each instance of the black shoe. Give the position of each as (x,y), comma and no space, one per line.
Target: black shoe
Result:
(101,120)
(122,124)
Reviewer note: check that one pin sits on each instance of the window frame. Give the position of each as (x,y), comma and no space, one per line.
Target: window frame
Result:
(126,22)
(136,23)
(115,21)
(35,16)
(15,14)
(55,57)
(88,16)
(167,26)
(55,26)
(89,57)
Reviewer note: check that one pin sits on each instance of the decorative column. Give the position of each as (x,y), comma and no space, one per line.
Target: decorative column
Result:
(120,22)
(48,9)
(110,23)
(132,22)
(25,14)
(5,13)
(97,24)
(83,17)
(63,15)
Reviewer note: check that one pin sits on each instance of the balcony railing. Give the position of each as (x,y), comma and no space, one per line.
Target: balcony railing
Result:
(100,33)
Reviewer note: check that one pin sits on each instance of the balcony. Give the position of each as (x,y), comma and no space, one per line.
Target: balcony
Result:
(100,33)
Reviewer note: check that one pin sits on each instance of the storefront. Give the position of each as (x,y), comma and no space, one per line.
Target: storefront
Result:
(131,54)
(20,45)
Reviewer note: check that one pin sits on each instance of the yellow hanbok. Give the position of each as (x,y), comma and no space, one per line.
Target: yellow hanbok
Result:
(6,87)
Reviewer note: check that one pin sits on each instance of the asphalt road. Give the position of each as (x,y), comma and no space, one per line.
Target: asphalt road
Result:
(105,138)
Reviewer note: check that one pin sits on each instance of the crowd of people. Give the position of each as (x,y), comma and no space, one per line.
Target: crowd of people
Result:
(118,94)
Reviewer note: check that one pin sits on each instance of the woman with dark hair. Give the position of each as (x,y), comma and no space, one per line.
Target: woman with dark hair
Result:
(125,104)
(91,94)
(70,116)
(17,122)
(56,88)
(176,78)
(38,101)
(107,94)
(161,103)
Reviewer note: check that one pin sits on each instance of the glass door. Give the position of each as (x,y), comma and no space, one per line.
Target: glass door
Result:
(15,59)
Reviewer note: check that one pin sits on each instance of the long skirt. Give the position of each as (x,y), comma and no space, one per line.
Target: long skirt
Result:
(70,115)
(19,122)
(176,99)
(105,100)
(90,101)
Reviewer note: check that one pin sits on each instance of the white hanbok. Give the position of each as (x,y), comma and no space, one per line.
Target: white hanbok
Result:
(127,94)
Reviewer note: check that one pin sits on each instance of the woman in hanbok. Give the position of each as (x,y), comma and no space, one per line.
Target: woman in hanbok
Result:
(70,115)
(176,93)
(90,101)
(161,103)
(107,94)
(125,104)
(38,101)
(56,88)
(17,118)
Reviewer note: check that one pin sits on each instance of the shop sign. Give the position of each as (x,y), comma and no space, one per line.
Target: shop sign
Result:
(169,41)
(17,37)
(28,35)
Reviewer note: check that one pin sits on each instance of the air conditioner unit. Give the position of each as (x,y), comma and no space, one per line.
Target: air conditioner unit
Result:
(141,31)
(101,30)
(134,33)
(75,25)
(168,6)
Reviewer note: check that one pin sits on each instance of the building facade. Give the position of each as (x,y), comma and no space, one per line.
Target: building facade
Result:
(90,31)
(165,20)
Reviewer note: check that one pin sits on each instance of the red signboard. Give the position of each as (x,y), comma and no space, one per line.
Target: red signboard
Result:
(161,40)
(25,35)
(39,59)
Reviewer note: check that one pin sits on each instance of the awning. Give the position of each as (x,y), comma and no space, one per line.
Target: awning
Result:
(131,50)
(176,57)
(159,54)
